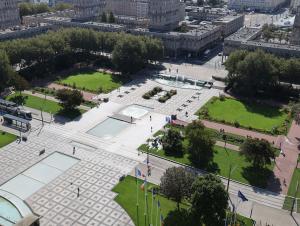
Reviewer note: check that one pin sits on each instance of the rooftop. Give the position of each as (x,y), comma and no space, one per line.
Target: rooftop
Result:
(244,34)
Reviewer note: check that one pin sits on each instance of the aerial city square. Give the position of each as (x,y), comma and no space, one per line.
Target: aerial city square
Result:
(149,112)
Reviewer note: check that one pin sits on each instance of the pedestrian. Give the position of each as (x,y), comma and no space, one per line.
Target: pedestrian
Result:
(131,119)
(73,150)
(78,190)
(151,129)
(150,118)
(186,114)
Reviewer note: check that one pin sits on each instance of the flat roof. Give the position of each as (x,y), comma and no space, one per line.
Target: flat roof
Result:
(244,34)
(12,117)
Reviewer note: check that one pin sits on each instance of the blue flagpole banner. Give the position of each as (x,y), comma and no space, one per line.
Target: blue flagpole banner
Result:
(242,196)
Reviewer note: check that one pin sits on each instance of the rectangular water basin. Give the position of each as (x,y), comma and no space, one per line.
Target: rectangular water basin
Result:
(108,128)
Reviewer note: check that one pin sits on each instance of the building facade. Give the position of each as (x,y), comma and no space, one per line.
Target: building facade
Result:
(247,39)
(294,5)
(165,14)
(9,13)
(230,24)
(86,10)
(131,8)
(295,39)
(256,5)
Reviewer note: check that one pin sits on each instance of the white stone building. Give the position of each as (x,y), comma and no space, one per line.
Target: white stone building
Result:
(295,39)
(88,9)
(294,4)
(165,14)
(9,13)
(260,5)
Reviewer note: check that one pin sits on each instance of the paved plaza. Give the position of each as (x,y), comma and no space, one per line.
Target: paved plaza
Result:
(186,100)
(57,203)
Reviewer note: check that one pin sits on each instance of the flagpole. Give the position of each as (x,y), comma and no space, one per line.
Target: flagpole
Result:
(137,202)
(148,220)
(145,211)
(237,202)
(152,209)
(156,212)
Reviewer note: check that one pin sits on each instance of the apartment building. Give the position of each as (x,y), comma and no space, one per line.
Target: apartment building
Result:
(9,13)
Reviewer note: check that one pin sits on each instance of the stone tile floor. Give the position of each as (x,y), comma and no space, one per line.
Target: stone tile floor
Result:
(95,175)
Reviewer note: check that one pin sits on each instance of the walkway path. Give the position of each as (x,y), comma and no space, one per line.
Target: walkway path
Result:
(285,164)
(239,131)
(86,95)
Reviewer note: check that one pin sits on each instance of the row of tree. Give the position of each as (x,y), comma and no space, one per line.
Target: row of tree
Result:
(27,8)
(260,74)
(207,195)
(129,53)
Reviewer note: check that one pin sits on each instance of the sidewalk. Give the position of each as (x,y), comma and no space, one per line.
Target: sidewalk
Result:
(239,131)
(286,164)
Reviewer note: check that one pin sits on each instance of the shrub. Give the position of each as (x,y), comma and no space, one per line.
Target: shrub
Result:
(222,97)
(236,124)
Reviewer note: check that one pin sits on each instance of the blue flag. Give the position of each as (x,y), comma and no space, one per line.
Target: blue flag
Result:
(137,172)
(242,196)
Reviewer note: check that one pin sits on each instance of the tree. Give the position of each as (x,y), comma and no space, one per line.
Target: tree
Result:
(176,184)
(129,55)
(62,6)
(19,83)
(104,17)
(69,99)
(255,73)
(200,144)
(258,152)
(111,18)
(6,70)
(172,142)
(209,200)
(214,2)
(295,110)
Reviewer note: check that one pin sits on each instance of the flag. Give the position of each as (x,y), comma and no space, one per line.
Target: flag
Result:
(144,184)
(137,172)
(242,196)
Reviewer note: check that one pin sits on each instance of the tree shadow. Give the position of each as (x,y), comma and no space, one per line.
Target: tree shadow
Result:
(257,176)
(64,116)
(179,217)
(262,109)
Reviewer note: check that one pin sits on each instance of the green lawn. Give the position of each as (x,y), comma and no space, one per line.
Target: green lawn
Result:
(127,198)
(94,81)
(256,116)
(292,191)
(46,105)
(6,138)
(243,170)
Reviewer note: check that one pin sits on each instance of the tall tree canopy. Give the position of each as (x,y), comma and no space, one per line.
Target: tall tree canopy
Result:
(259,152)
(176,183)
(200,144)
(209,200)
